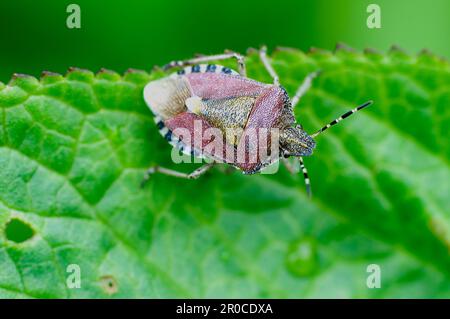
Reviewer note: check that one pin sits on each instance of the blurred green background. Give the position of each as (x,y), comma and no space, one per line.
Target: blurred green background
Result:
(139,34)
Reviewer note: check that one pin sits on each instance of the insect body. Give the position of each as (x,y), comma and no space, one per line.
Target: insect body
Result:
(203,96)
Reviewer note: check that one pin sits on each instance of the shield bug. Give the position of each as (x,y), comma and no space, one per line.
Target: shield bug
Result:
(202,95)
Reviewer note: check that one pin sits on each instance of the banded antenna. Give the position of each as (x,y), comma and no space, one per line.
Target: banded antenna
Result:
(340,118)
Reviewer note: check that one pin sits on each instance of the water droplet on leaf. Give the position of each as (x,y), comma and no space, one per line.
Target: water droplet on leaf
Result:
(301,259)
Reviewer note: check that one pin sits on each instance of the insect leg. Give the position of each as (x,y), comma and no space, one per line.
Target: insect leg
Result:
(289,166)
(268,66)
(303,88)
(166,171)
(207,58)
(200,171)
(305,176)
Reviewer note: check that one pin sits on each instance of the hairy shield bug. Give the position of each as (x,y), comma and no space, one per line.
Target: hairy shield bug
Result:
(200,97)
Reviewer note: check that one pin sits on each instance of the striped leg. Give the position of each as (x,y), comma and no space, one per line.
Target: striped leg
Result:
(305,176)
(340,118)
(303,88)
(166,171)
(268,66)
(208,58)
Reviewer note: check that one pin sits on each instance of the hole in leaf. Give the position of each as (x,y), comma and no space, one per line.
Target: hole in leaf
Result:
(18,231)
(109,284)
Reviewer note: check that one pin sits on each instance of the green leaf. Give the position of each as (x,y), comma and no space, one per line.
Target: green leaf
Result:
(74,148)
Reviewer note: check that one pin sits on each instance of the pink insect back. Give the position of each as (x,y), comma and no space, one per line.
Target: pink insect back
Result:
(198,98)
